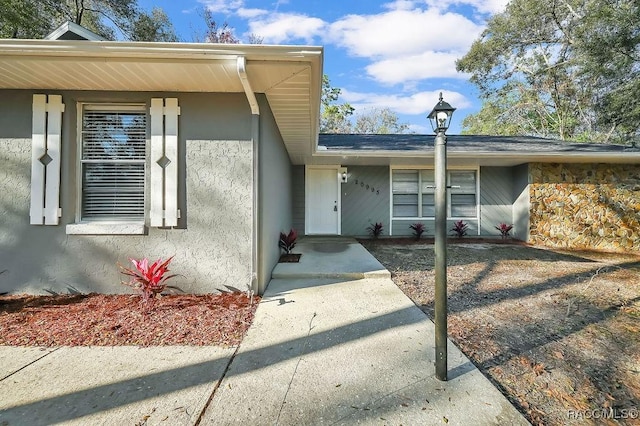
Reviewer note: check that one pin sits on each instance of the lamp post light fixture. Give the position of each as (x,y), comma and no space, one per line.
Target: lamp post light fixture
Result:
(440,118)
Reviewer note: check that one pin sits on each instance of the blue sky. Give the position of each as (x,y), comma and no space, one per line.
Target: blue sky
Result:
(396,54)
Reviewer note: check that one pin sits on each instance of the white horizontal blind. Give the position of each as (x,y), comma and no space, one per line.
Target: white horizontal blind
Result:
(405,193)
(414,193)
(428,183)
(113,162)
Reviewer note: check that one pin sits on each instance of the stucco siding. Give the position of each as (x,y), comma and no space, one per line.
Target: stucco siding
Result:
(365,200)
(496,192)
(212,243)
(274,182)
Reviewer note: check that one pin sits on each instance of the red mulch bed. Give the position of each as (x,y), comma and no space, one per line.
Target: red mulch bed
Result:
(121,320)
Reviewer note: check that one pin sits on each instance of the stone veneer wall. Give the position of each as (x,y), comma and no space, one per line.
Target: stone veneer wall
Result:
(594,206)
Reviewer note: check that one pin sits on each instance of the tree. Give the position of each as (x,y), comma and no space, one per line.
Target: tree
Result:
(108,18)
(103,17)
(215,33)
(379,121)
(334,117)
(541,71)
(255,39)
(610,40)
(154,26)
(25,18)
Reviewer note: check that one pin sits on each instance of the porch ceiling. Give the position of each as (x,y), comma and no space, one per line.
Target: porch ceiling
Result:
(289,76)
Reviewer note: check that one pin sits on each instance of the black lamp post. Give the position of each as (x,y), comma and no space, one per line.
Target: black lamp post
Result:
(440,118)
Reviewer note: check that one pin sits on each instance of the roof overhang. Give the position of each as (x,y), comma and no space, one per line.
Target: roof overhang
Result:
(468,158)
(464,150)
(289,76)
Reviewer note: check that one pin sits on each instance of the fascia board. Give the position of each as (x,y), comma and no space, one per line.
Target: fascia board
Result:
(626,157)
(71,48)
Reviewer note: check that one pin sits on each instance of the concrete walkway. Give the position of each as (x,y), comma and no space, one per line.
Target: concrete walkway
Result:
(347,348)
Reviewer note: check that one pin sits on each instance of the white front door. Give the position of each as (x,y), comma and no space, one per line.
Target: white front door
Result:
(322,209)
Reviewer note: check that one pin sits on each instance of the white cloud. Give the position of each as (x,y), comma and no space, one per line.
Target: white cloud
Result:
(280,28)
(279,2)
(400,5)
(482,6)
(416,103)
(251,13)
(406,43)
(403,32)
(489,6)
(222,6)
(415,67)
(409,41)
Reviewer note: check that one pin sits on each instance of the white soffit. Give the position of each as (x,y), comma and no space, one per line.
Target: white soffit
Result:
(290,76)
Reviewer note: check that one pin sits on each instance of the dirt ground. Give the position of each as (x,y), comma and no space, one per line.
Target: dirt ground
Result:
(558,332)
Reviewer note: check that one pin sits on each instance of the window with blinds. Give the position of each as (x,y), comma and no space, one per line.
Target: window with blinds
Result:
(405,193)
(413,193)
(113,162)
(462,195)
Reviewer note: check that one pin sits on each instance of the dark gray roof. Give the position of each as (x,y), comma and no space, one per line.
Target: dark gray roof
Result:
(461,143)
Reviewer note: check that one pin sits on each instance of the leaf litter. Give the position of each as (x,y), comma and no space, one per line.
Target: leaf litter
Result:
(557,331)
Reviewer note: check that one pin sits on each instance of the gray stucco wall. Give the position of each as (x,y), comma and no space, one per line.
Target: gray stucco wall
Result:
(274,182)
(212,244)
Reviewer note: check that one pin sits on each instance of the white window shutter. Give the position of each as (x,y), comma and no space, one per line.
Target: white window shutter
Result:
(164,162)
(156,170)
(171,170)
(38,149)
(45,160)
(55,107)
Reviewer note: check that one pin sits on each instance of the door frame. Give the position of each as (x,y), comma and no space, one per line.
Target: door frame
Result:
(307,196)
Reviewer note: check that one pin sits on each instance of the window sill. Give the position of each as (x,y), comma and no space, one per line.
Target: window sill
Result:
(106,228)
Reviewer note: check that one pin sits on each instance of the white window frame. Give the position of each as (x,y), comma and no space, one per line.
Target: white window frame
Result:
(88,226)
(449,193)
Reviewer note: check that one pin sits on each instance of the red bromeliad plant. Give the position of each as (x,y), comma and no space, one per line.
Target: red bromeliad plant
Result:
(288,241)
(504,229)
(375,230)
(460,228)
(418,229)
(148,280)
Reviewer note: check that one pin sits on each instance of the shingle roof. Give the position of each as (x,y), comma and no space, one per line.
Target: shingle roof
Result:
(461,143)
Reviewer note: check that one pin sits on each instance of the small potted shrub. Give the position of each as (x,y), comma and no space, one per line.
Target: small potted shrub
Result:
(460,228)
(375,230)
(418,229)
(287,242)
(504,230)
